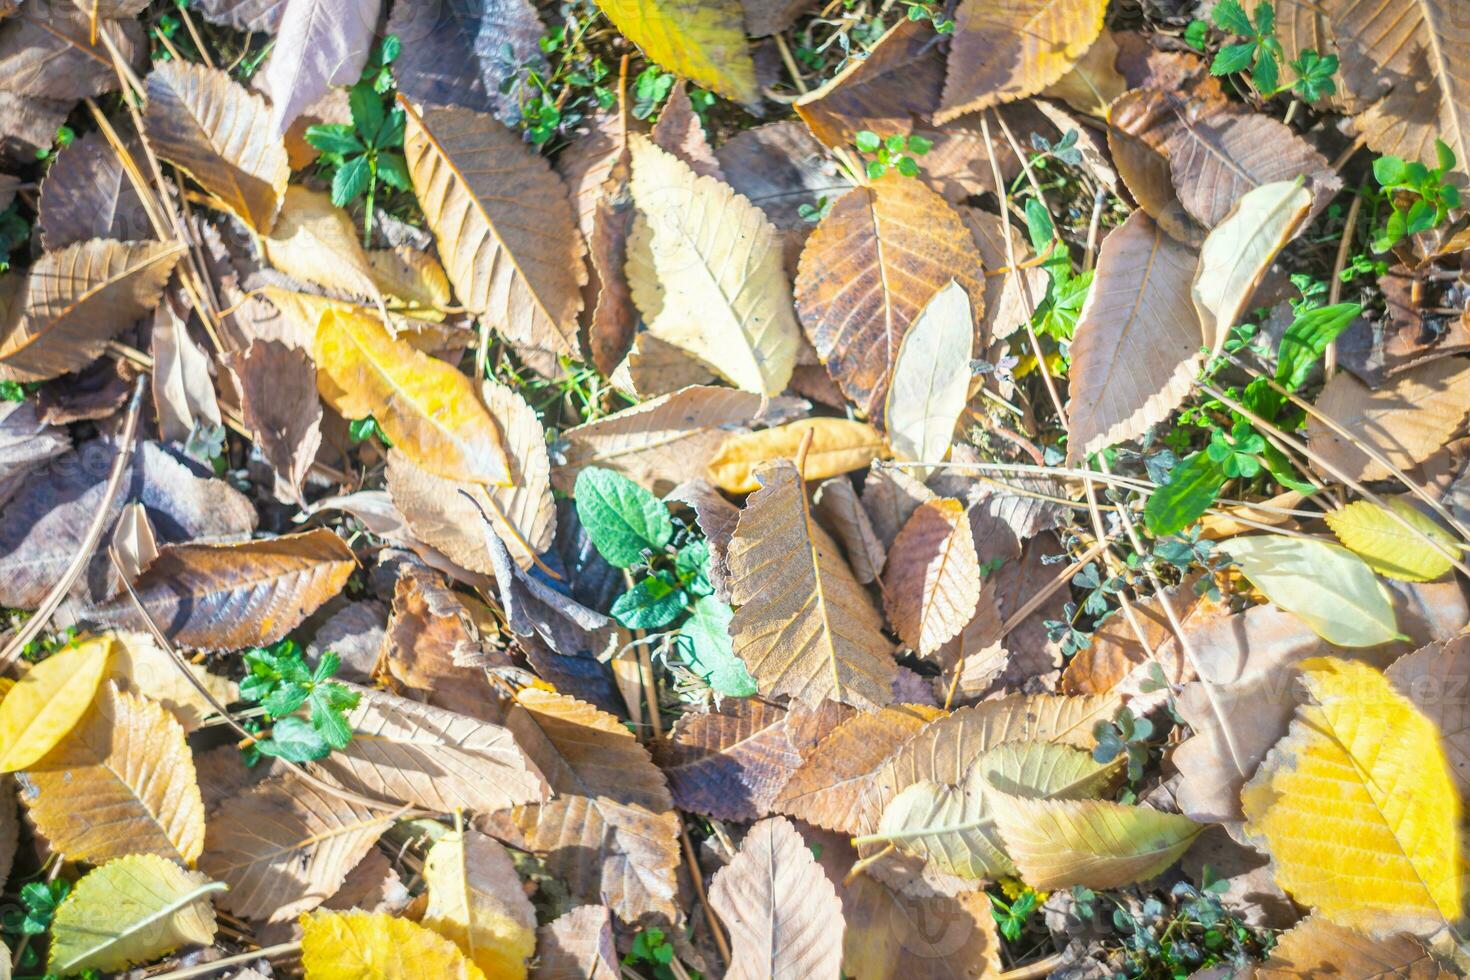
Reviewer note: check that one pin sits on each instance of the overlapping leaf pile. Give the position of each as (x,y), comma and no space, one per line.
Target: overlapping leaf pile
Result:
(503,489)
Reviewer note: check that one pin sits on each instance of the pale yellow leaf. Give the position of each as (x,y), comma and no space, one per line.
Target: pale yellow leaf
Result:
(838,446)
(1389,548)
(376,946)
(139,664)
(931,379)
(702,41)
(49,700)
(476,900)
(314,240)
(931,582)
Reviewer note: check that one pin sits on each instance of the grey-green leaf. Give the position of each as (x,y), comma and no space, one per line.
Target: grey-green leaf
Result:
(705,642)
(622,519)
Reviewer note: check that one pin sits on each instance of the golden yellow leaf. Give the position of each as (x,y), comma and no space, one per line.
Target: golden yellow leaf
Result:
(838,446)
(128,911)
(1042,40)
(122,782)
(314,240)
(931,581)
(703,42)
(1389,548)
(1093,843)
(427,408)
(376,946)
(1360,771)
(804,625)
(48,702)
(476,900)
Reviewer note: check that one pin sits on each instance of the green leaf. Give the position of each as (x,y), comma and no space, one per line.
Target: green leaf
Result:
(1283,472)
(692,564)
(704,642)
(653,603)
(327,717)
(1323,584)
(367,112)
(875,169)
(1192,487)
(285,699)
(334,138)
(867,141)
(1230,16)
(1389,171)
(1267,74)
(393,171)
(622,519)
(1194,34)
(295,740)
(351,181)
(1233,58)
(1307,338)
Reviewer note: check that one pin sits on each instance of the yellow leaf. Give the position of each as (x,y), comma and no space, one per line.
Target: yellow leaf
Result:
(376,946)
(315,240)
(1361,772)
(702,41)
(427,408)
(475,899)
(1093,843)
(1389,548)
(838,446)
(48,701)
(131,910)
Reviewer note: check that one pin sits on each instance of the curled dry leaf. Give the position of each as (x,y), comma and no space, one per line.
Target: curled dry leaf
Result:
(504,224)
(867,271)
(229,596)
(201,120)
(1315,947)
(932,580)
(720,291)
(121,782)
(427,408)
(804,626)
(76,300)
(1136,346)
(1043,40)
(784,917)
(837,446)
(284,846)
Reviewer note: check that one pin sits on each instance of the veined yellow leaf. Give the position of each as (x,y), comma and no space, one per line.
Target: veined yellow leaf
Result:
(838,446)
(1389,548)
(1362,773)
(702,41)
(131,910)
(475,899)
(931,378)
(1323,584)
(48,701)
(427,408)
(376,946)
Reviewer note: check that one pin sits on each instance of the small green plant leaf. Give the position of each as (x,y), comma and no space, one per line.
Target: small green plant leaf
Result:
(1192,487)
(652,604)
(622,519)
(704,642)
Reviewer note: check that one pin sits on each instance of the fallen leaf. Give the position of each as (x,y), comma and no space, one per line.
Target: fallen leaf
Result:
(703,42)
(322,43)
(931,379)
(475,900)
(1136,347)
(229,596)
(782,912)
(48,702)
(202,121)
(1390,549)
(360,945)
(867,272)
(577,946)
(840,512)
(279,402)
(1433,677)
(898,82)
(87,194)
(504,224)
(458,53)
(184,399)
(793,589)
(837,446)
(121,782)
(314,240)
(140,665)
(131,910)
(932,580)
(1353,756)
(1093,82)
(427,408)
(1315,947)
(56,51)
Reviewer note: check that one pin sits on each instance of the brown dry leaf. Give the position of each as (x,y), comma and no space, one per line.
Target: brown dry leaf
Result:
(434,646)
(1136,346)
(412,281)
(577,946)
(427,408)
(1094,81)
(731,763)
(121,782)
(778,167)
(610,829)
(869,268)
(504,224)
(891,494)
(1116,656)
(1009,296)
(51,51)
(1419,50)
(680,131)
(661,442)
(278,399)
(1435,678)
(654,367)
(837,446)
(439,513)
(316,241)
(229,596)
(1144,167)
(804,626)
(1316,948)
(886,92)
(202,121)
(284,846)
(140,665)
(841,514)
(77,299)
(87,194)
(718,288)
(184,400)
(932,581)
(783,914)
(1407,420)
(413,753)
(1041,39)
(827,789)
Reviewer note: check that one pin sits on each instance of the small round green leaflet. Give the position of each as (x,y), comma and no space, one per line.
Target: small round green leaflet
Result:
(622,519)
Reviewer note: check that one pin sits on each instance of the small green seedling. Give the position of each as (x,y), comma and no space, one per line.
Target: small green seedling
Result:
(1420,197)
(896,152)
(280,681)
(1260,53)
(360,154)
